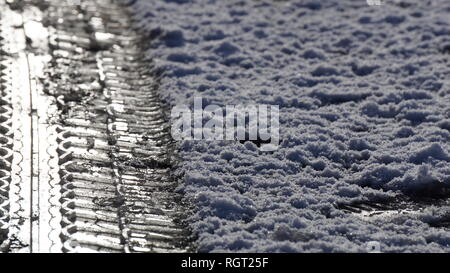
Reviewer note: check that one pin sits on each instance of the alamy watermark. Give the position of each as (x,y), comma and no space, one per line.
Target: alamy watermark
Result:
(257,123)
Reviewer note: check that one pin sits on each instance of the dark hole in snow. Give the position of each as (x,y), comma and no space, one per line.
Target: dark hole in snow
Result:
(312,5)
(443,222)
(365,20)
(446,49)
(226,49)
(322,71)
(363,70)
(345,43)
(328,98)
(404,132)
(180,58)
(445,124)
(313,54)
(173,38)
(404,4)
(214,35)
(434,191)
(178,1)
(156,32)
(395,20)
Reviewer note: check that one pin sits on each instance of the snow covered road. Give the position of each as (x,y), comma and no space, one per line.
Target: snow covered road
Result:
(364,97)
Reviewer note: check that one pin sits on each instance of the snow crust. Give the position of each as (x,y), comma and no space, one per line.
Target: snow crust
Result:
(364,96)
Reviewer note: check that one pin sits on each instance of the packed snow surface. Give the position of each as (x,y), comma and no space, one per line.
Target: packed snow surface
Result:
(364,97)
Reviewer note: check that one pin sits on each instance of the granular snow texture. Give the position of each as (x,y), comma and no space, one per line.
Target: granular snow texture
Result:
(364,96)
